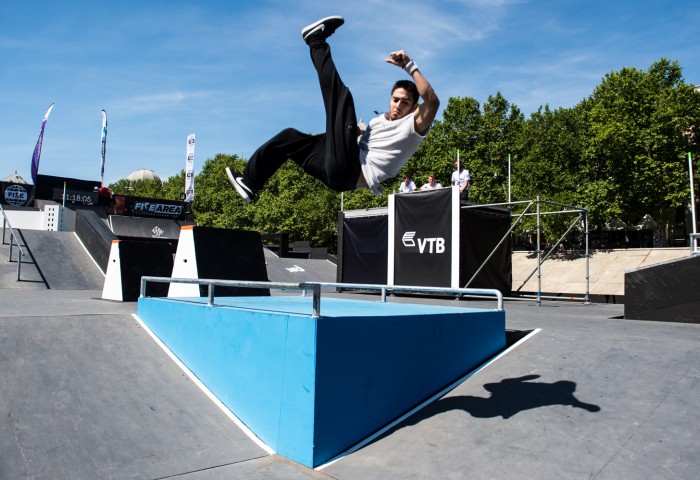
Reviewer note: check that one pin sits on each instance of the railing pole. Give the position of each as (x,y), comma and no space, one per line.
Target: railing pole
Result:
(210,294)
(19,264)
(317,301)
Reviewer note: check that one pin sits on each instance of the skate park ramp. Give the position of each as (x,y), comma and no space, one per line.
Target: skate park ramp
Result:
(297,270)
(666,291)
(61,260)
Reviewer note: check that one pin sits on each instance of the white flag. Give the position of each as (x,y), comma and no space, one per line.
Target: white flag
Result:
(189,169)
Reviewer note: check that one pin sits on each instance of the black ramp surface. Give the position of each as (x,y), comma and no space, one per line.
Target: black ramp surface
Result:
(665,292)
(62,261)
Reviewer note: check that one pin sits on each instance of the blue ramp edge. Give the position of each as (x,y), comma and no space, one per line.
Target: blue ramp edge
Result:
(310,388)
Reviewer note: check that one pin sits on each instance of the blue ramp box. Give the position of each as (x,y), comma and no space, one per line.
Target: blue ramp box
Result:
(310,388)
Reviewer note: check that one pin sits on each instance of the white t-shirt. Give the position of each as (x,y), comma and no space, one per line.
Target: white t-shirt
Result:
(458,178)
(427,186)
(407,188)
(385,147)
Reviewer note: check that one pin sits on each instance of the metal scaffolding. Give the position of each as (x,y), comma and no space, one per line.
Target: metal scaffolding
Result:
(582,214)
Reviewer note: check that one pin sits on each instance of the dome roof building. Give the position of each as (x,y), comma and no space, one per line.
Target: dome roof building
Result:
(14,178)
(143,175)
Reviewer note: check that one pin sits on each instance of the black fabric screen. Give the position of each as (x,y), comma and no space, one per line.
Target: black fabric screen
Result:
(480,232)
(365,249)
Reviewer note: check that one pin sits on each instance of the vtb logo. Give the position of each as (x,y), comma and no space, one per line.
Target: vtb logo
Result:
(434,245)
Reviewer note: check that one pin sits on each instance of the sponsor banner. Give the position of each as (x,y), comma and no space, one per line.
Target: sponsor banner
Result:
(148,207)
(37,148)
(17,194)
(423,239)
(104,146)
(189,169)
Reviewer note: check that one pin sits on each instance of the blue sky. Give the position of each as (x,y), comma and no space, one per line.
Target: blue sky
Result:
(235,73)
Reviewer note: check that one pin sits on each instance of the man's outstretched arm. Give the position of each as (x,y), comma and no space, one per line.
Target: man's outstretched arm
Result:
(428,109)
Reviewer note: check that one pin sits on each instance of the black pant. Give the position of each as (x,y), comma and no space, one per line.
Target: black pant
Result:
(332,157)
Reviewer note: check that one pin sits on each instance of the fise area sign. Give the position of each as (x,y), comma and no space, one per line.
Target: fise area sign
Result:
(424,239)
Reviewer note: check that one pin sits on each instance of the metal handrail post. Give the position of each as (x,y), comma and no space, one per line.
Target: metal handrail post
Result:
(316,309)
(539,256)
(19,263)
(588,258)
(210,294)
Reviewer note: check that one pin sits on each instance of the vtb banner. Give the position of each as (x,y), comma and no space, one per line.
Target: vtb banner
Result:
(425,249)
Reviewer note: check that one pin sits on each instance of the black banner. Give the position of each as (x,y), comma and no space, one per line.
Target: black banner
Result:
(47,187)
(148,207)
(17,194)
(74,196)
(423,239)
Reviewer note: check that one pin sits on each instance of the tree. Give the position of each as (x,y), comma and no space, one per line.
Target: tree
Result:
(216,204)
(458,130)
(497,137)
(138,188)
(636,156)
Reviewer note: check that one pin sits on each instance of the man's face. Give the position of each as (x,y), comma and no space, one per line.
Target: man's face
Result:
(401,104)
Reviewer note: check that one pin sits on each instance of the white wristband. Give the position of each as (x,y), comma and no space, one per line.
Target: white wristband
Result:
(410,67)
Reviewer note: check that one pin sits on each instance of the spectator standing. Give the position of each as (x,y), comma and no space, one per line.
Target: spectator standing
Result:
(461,178)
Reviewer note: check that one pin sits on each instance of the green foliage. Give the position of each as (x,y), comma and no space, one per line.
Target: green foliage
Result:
(640,123)
(620,153)
(138,188)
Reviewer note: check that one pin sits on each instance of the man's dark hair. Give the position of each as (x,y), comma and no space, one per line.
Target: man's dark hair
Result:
(410,87)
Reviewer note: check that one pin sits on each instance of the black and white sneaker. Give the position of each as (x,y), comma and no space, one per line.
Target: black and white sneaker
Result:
(237,182)
(323,28)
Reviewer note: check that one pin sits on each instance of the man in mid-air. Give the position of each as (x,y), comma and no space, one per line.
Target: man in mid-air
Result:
(337,157)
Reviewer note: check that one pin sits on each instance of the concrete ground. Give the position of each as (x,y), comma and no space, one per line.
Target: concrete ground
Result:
(85,393)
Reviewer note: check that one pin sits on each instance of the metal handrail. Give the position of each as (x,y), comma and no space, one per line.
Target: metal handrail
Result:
(315,288)
(694,238)
(13,238)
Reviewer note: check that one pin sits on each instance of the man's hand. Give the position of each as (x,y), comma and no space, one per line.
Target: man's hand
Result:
(425,114)
(398,58)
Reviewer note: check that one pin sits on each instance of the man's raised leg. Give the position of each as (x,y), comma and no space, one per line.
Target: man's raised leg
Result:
(342,165)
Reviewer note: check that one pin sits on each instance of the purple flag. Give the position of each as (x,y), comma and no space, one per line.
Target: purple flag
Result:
(104,146)
(37,149)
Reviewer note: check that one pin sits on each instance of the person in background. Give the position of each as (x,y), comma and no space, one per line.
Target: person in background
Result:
(461,178)
(432,183)
(407,185)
